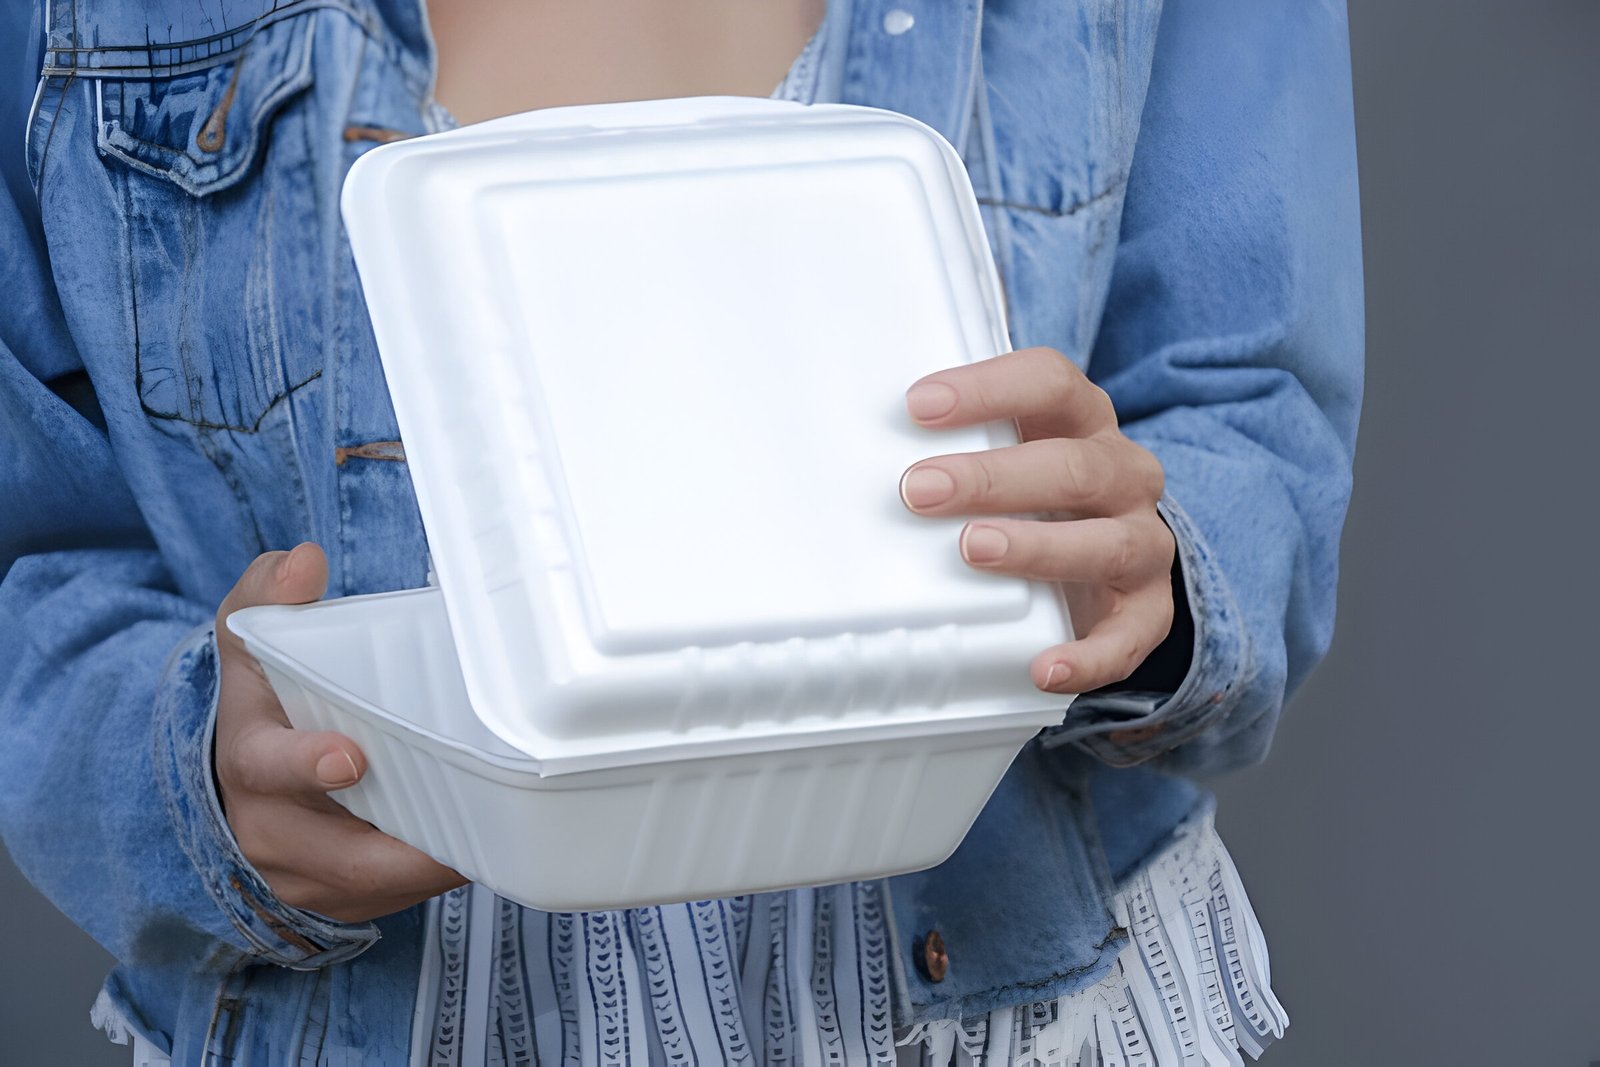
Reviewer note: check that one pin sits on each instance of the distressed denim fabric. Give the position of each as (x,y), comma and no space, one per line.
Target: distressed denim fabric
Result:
(187,378)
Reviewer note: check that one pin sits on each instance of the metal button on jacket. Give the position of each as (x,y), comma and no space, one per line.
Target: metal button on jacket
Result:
(898,21)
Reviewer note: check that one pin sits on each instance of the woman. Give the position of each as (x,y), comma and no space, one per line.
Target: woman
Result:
(190,387)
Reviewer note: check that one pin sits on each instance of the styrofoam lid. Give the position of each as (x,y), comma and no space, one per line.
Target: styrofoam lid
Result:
(649,363)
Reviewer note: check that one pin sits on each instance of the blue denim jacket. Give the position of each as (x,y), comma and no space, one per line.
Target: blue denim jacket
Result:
(188,378)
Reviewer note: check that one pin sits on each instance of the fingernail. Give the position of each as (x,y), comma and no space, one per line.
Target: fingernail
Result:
(337,770)
(984,544)
(282,571)
(1059,673)
(923,487)
(930,400)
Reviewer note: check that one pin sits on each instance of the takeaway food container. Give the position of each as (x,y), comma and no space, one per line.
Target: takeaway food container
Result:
(648,362)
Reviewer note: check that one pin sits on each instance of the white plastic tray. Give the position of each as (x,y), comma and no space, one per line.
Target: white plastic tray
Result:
(831,806)
(648,361)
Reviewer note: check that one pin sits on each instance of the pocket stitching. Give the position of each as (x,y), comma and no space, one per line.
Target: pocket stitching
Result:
(200,178)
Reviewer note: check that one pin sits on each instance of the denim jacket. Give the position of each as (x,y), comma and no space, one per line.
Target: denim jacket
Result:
(188,378)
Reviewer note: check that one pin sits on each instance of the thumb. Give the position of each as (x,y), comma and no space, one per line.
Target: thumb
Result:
(274,758)
(298,576)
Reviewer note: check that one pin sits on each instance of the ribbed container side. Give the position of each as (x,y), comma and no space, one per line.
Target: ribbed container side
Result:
(688,830)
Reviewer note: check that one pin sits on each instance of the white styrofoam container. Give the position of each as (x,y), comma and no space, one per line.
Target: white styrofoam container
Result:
(648,362)
(832,805)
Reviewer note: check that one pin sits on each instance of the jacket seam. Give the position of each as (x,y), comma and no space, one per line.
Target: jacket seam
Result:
(291,10)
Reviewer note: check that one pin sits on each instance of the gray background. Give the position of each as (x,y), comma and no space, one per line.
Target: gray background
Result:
(1419,847)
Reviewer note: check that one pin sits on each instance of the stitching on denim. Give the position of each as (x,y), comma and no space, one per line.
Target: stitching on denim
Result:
(325,938)
(197,178)
(174,416)
(44,153)
(1220,705)
(964,103)
(355,81)
(311,1034)
(176,773)
(278,14)
(27,132)
(1113,191)
(222,998)
(272,922)
(216,823)
(1176,723)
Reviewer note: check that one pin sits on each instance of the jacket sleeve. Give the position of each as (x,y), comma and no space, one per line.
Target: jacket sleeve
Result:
(108,678)
(1231,346)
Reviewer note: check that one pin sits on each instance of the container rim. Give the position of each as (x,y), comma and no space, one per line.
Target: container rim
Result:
(615,758)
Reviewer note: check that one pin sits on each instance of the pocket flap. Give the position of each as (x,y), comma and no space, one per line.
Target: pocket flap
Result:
(201,130)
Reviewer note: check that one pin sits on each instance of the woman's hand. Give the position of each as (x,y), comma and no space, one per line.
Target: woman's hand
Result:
(1109,548)
(275,779)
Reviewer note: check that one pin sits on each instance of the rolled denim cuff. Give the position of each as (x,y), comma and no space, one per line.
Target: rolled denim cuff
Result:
(185,724)
(1127,728)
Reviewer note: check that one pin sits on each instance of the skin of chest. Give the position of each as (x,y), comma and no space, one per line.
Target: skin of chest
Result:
(499,57)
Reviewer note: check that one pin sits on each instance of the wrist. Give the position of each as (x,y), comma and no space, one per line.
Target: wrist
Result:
(1186,690)
(186,719)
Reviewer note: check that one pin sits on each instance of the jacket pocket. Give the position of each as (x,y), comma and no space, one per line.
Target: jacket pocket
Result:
(202,131)
(217,181)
